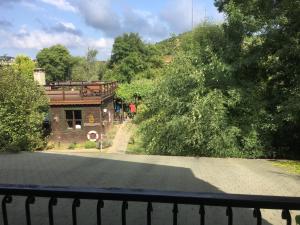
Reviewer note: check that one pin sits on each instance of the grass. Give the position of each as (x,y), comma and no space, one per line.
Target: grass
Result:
(90,144)
(290,166)
(135,148)
(135,144)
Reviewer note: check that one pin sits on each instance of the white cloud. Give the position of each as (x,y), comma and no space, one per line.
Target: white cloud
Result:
(39,39)
(100,15)
(175,17)
(149,25)
(178,15)
(61,4)
(63,27)
(181,17)
(100,43)
(68,25)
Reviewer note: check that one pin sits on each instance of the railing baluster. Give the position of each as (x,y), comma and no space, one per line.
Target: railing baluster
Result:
(175,212)
(229,214)
(257,215)
(52,202)
(6,200)
(124,208)
(100,205)
(76,204)
(202,215)
(30,200)
(286,215)
(149,211)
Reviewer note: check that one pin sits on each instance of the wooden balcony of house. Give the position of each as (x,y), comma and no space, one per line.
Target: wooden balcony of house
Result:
(79,93)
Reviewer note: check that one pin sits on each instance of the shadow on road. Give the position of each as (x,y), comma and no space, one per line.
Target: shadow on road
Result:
(65,170)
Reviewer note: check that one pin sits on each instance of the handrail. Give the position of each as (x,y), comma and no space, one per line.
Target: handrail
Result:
(78,83)
(213,199)
(255,202)
(67,91)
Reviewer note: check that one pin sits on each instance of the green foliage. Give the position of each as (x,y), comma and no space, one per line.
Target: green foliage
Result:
(200,108)
(138,88)
(56,61)
(263,51)
(72,146)
(23,106)
(184,117)
(90,144)
(291,166)
(124,46)
(88,68)
(131,58)
(24,66)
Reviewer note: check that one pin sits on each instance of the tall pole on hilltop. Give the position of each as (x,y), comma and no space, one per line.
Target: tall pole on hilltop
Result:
(192,14)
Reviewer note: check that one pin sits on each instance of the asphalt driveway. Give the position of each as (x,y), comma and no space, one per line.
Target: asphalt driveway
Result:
(93,169)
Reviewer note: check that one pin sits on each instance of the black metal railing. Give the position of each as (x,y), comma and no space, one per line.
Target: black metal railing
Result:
(230,201)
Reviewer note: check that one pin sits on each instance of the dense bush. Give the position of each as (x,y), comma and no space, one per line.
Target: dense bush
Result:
(23,106)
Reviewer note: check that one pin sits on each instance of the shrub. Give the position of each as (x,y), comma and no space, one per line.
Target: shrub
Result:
(90,144)
(23,106)
(72,146)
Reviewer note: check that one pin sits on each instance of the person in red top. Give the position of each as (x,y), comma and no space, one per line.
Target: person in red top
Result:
(132,109)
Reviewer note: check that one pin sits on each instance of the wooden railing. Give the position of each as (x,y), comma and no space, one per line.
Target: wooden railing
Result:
(79,91)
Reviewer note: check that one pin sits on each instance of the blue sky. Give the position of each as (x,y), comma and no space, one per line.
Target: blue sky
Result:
(27,26)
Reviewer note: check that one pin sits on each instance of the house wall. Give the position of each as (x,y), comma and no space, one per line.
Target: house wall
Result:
(94,118)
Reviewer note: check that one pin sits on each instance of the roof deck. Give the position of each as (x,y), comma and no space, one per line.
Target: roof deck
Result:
(79,93)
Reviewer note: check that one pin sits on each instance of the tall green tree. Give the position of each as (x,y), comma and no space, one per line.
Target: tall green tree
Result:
(23,106)
(131,57)
(88,68)
(56,61)
(125,45)
(199,107)
(263,50)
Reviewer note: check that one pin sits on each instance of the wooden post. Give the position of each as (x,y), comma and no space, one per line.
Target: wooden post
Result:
(63,92)
(122,117)
(81,90)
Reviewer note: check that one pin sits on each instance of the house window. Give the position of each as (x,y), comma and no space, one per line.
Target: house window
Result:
(74,119)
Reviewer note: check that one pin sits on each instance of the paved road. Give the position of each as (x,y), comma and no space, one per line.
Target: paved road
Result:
(93,169)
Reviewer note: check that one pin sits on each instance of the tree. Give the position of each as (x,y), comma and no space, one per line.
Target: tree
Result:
(24,66)
(23,106)
(197,108)
(125,45)
(88,68)
(131,57)
(56,61)
(182,117)
(263,52)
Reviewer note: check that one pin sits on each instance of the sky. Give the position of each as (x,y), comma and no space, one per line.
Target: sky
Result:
(27,26)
